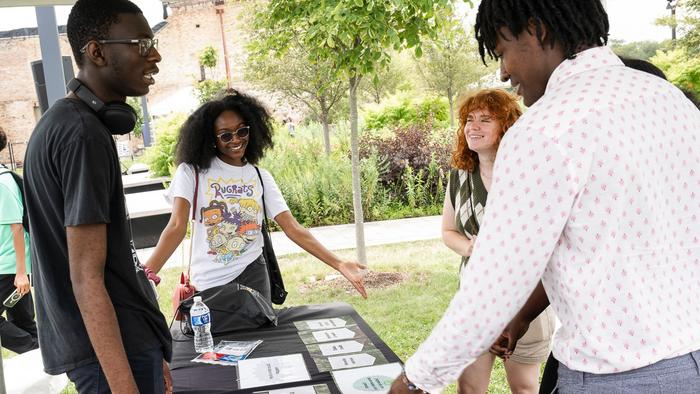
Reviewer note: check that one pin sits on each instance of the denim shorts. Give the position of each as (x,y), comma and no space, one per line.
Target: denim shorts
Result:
(678,375)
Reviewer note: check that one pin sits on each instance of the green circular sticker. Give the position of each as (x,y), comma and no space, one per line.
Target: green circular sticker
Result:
(373,383)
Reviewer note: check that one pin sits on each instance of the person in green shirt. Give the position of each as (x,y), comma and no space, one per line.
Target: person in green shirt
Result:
(18,331)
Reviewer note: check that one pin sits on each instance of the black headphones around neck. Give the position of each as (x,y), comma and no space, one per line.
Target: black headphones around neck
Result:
(117,116)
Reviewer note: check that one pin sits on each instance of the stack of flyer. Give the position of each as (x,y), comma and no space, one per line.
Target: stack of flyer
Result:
(228,352)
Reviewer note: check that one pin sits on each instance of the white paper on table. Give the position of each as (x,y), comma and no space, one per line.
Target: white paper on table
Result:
(351,361)
(266,371)
(332,349)
(333,335)
(320,324)
(376,379)
(294,390)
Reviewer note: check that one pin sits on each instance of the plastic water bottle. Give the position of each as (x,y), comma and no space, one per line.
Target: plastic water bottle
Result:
(201,324)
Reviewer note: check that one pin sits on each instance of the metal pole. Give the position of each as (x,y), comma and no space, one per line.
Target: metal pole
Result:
(146,128)
(11,151)
(50,54)
(2,374)
(219,6)
(673,26)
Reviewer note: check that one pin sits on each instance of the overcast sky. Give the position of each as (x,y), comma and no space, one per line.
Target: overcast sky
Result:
(630,20)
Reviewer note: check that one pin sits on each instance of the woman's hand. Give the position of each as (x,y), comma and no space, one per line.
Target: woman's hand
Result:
(355,273)
(22,283)
(469,246)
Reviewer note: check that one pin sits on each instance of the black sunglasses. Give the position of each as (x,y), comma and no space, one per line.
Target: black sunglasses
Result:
(227,136)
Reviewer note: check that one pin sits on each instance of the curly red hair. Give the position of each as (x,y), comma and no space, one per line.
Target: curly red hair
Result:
(503,107)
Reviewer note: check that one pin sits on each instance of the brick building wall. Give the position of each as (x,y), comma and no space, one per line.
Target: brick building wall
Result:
(191,26)
(18,101)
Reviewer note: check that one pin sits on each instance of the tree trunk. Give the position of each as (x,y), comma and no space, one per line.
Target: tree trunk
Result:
(355,157)
(450,99)
(326,132)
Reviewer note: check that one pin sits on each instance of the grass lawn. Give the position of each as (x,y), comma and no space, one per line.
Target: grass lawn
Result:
(402,315)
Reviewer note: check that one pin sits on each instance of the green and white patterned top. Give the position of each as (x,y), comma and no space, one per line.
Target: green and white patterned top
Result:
(468,196)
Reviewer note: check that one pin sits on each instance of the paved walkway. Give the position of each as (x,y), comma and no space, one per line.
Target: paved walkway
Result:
(24,373)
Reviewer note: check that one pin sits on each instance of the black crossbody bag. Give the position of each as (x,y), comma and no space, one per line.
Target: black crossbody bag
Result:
(278,293)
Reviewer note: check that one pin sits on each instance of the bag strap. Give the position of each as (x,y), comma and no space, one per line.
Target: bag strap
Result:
(193,220)
(262,187)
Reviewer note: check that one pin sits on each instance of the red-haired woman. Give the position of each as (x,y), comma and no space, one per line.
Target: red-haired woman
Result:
(484,118)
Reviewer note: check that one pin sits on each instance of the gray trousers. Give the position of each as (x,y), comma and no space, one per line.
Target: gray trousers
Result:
(678,375)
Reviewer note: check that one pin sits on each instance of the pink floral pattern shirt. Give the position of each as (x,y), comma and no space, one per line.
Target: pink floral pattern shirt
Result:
(596,191)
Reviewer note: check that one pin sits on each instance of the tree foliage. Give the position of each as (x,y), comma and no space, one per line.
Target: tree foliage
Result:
(208,59)
(451,64)
(384,82)
(690,27)
(682,69)
(135,103)
(355,36)
(313,84)
(209,89)
(682,62)
(643,50)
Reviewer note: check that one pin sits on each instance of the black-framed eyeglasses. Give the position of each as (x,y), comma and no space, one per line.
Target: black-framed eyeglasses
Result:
(145,44)
(227,135)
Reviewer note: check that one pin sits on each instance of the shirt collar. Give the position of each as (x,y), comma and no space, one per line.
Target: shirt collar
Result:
(587,60)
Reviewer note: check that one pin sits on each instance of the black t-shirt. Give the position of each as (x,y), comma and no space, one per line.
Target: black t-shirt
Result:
(72,177)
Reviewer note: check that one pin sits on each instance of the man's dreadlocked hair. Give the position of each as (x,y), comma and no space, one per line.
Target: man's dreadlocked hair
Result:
(571,23)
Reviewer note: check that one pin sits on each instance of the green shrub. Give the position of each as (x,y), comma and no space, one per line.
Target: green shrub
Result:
(160,157)
(209,89)
(318,188)
(433,111)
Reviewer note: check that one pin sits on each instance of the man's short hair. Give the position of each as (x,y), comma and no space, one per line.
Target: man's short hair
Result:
(570,23)
(3,139)
(91,20)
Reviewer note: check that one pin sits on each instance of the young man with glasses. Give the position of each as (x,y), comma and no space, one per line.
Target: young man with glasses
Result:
(98,316)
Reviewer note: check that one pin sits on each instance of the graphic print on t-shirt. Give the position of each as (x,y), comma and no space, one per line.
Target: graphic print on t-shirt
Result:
(231,218)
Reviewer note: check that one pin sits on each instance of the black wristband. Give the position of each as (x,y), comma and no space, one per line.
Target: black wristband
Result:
(411,386)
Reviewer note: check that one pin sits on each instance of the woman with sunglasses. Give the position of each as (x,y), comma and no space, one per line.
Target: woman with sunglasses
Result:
(219,145)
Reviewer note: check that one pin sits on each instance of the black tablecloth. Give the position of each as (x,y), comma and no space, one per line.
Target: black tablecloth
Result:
(190,377)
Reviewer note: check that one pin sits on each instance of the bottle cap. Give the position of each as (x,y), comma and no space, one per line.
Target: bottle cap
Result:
(197,298)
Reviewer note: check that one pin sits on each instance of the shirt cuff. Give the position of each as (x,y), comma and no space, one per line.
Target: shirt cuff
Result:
(424,379)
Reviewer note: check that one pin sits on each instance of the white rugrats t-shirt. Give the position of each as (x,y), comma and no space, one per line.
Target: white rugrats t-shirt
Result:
(228,220)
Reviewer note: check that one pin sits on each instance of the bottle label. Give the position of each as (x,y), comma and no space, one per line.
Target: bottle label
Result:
(200,320)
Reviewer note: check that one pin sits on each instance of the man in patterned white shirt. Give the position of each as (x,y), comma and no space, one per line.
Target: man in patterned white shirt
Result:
(596,193)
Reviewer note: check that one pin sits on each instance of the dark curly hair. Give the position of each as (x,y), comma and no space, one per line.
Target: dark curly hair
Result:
(196,143)
(3,139)
(571,23)
(91,19)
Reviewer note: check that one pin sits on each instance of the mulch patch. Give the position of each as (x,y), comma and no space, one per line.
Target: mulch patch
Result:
(373,280)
